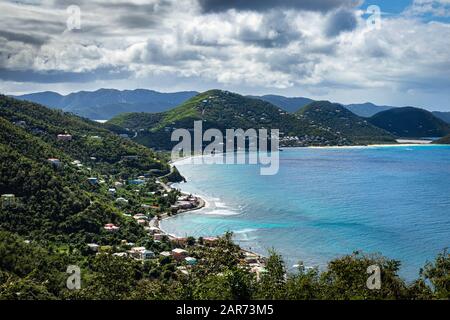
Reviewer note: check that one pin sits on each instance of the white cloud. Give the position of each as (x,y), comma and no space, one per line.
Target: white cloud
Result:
(272,49)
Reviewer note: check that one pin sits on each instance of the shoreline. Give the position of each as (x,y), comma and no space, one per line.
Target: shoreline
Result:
(205,204)
(155,222)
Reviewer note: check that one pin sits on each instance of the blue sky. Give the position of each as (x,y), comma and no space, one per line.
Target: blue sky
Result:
(389,6)
(322,49)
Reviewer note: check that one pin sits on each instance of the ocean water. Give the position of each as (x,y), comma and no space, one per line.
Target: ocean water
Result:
(327,202)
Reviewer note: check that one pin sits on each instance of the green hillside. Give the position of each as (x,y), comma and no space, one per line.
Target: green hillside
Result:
(92,143)
(51,216)
(337,118)
(57,201)
(410,122)
(223,110)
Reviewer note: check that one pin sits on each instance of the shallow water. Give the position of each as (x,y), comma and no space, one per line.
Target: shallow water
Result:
(324,203)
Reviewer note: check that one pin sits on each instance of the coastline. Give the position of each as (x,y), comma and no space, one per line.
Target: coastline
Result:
(204,204)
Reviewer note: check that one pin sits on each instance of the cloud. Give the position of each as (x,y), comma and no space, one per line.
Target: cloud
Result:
(314,46)
(24,38)
(438,8)
(209,6)
(56,76)
(340,21)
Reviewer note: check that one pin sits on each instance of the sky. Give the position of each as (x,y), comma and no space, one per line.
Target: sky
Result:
(389,52)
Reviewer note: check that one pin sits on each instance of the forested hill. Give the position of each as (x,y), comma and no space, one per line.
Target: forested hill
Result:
(410,122)
(91,143)
(223,110)
(339,119)
(51,179)
(86,199)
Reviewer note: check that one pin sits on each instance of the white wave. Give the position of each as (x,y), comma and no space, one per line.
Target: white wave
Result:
(245,230)
(220,212)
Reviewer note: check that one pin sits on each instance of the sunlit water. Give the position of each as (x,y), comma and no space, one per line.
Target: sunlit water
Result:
(325,203)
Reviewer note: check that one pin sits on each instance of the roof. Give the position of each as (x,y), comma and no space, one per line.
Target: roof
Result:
(179,250)
(190,259)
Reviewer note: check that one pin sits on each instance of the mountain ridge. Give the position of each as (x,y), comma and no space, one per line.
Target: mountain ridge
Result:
(226,110)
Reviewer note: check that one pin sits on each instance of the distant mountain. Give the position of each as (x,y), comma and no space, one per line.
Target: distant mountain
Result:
(366,109)
(289,104)
(337,118)
(442,115)
(410,122)
(104,104)
(223,110)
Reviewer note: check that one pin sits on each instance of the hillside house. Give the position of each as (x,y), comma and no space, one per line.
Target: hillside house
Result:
(121,200)
(93,247)
(179,254)
(111,227)
(55,162)
(8,199)
(64,137)
(93,180)
(190,261)
(136,182)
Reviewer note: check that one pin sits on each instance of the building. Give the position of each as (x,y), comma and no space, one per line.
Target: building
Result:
(147,254)
(8,199)
(158,236)
(121,200)
(190,261)
(184,205)
(258,271)
(55,162)
(138,216)
(141,253)
(120,254)
(20,123)
(111,227)
(93,247)
(142,222)
(165,254)
(93,180)
(210,241)
(112,191)
(64,137)
(118,184)
(179,254)
(181,241)
(136,182)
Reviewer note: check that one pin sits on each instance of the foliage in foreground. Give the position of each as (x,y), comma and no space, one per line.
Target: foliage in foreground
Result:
(29,271)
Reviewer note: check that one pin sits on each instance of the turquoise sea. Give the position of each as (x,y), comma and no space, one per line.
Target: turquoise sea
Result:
(327,202)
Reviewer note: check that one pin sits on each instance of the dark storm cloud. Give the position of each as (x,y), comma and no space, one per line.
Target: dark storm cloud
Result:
(55,76)
(340,21)
(210,6)
(22,37)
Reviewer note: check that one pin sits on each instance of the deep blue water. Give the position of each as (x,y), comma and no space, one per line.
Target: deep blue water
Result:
(325,203)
